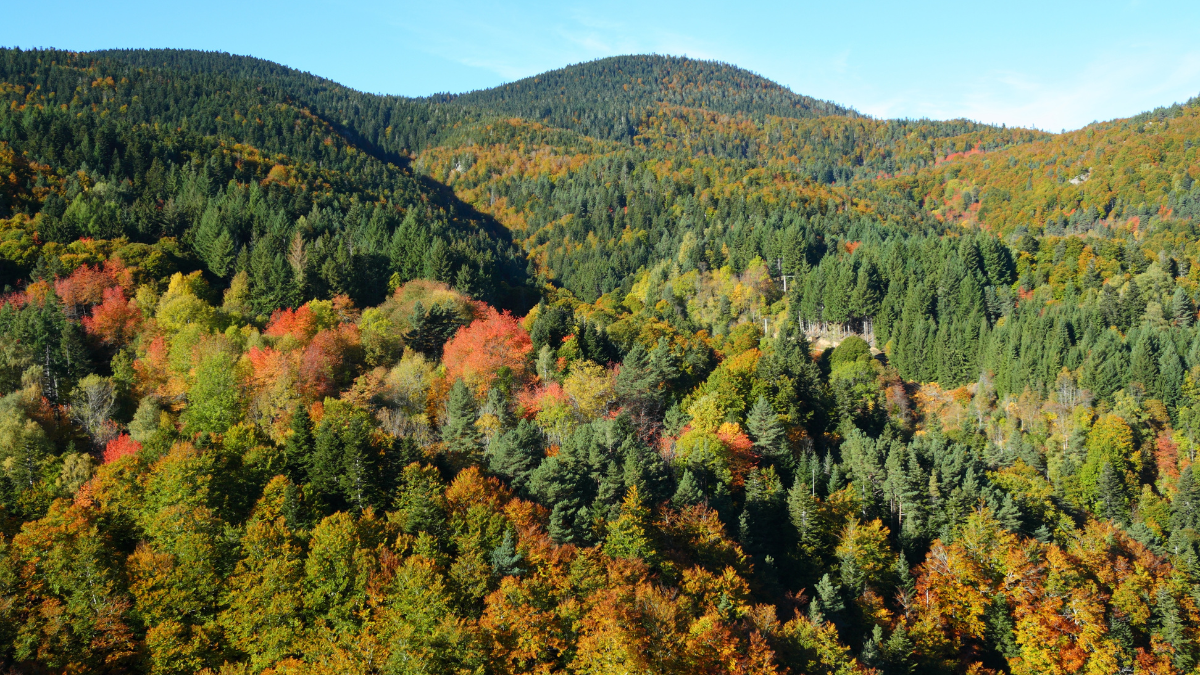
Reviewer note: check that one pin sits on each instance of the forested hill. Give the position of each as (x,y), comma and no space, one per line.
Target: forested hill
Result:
(603,99)
(606,98)
(239,172)
(694,376)
(395,124)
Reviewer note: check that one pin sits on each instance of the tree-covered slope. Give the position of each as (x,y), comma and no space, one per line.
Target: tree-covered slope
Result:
(243,175)
(605,98)
(394,124)
(785,389)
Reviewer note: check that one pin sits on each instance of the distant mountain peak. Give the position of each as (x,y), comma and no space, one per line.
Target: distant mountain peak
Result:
(597,97)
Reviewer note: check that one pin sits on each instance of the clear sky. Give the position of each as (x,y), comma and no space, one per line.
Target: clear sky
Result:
(1047,64)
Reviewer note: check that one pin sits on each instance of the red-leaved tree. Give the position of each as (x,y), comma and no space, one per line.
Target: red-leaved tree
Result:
(326,361)
(299,323)
(119,447)
(478,351)
(114,321)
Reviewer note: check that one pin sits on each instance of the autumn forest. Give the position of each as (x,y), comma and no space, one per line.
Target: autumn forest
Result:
(644,365)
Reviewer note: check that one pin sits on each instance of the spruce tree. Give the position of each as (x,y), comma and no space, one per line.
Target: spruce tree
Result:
(324,465)
(459,432)
(438,264)
(1170,626)
(1171,378)
(872,651)
(1091,275)
(803,514)
(688,492)
(1182,309)
(1185,506)
(1132,306)
(358,483)
(1143,366)
(898,652)
(516,453)
(764,514)
(664,363)
(1111,501)
(221,255)
(768,435)
(420,504)
(298,447)
(827,602)
(506,559)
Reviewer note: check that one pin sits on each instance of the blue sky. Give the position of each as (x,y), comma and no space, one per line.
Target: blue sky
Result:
(1047,64)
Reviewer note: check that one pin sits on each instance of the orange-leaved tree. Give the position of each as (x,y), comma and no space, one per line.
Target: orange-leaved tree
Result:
(479,351)
(116,320)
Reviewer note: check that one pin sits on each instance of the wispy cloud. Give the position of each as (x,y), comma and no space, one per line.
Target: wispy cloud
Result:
(1067,96)
(569,35)
(1119,78)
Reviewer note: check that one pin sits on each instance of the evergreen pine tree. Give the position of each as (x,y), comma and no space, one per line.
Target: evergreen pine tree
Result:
(420,504)
(1171,627)
(1171,378)
(516,453)
(802,511)
(359,480)
(1091,275)
(664,363)
(1111,501)
(438,264)
(1143,365)
(872,651)
(864,301)
(221,255)
(768,435)
(827,602)
(1182,309)
(688,492)
(459,433)
(324,466)
(1185,506)
(298,447)
(1132,306)
(506,559)
(764,514)
(898,651)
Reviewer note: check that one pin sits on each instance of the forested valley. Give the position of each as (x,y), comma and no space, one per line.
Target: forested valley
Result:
(644,365)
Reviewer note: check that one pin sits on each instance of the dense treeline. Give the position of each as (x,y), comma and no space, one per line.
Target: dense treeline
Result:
(784,389)
(606,98)
(240,178)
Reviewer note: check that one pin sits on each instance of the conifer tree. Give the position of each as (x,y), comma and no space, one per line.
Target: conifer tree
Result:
(420,503)
(768,435)
(516,453)
(221,255)
(298,447)
(1111,501)
(1143,365)
(459,432)
(764,513)
(506,559)
(1170,626)
(688,491)
(827,603)
(1185,506)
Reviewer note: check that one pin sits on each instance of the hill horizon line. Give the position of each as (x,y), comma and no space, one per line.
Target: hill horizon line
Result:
(844,110)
